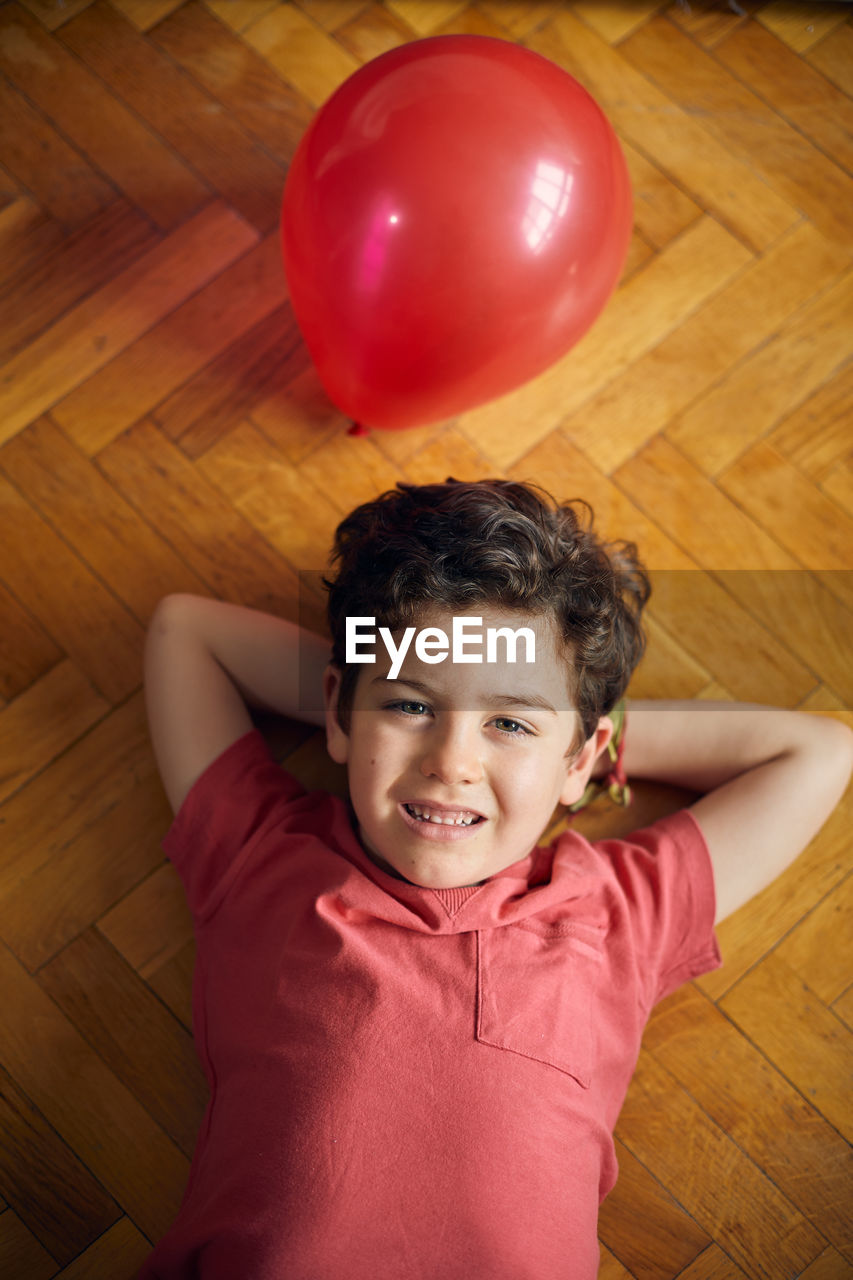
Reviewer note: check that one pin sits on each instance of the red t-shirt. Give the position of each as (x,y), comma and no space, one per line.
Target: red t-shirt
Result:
(410,1083)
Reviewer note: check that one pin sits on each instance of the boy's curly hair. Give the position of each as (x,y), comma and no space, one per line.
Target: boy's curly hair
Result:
(498,543)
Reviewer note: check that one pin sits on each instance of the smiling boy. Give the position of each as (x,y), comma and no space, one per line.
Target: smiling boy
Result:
(418,1026)
(486,750)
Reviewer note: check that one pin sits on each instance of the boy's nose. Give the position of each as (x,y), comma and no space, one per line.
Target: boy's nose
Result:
(452,755)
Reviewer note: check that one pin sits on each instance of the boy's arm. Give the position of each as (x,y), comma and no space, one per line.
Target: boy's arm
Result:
(206,662)
(771,778)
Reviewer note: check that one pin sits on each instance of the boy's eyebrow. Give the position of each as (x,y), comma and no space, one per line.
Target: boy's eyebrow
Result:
(493,699)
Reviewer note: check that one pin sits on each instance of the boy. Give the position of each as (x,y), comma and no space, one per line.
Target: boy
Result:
(417,1025)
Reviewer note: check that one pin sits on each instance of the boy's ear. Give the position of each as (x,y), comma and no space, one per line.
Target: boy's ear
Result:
(583,764)
(337,742)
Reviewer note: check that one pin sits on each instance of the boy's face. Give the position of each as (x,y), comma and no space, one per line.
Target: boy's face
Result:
(455,741)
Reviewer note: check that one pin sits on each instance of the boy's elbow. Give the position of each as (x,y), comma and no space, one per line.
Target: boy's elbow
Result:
(168,612)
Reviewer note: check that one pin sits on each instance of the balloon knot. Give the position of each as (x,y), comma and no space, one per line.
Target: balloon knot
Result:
(358,429)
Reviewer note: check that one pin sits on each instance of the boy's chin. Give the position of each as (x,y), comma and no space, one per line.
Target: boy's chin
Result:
(398,875)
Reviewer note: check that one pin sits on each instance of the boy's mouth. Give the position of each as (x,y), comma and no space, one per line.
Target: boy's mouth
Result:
(443,817)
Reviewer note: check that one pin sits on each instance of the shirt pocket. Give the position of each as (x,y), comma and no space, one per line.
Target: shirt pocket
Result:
(536,987)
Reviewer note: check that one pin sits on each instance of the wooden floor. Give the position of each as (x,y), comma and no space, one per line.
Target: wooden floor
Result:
(161,430)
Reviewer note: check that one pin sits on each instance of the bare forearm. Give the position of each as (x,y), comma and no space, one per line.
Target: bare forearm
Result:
(274,664)
(770,778)
(702,745)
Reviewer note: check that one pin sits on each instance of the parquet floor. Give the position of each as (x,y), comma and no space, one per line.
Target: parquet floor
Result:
(161,430)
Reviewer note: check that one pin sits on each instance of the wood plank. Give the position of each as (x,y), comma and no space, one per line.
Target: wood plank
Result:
(26,653)
(825,969)
(517,17)
(236,76)
(92,333)
(451,454)
(833,57)
(639,253)
(616,19)
(745,126)
(642,400)
(349,470)
(62,276)
(426,17)
(759,1228)
(146,371)
(793,88)
(812,621)
(769,487)
(194,124)
(829,1266)
(173,983)
(132,559)
(736,646)
(102,996)
(777,1127)
(801,25)
(67,599)
(661,209)
(675,141)
(216,541)
(43,721)
(707,21)
(143,14)
(50,15)
(297,518)
(83,784)
(38,156)
(297,415)
(816,436)
(117,1255)
(838,485)
(609,1266)
(712,1264)
(53,901)
(639,315)
(331,15)
(93,119)
(666,669)
(375,30)
(89,1108)
(152,924)
(752,397)
(713,531)
(571,475)
(801,1036)
(52,1193)
(26,235)
(21,1255)
(238,14)
(843,1007)
(254,370)
(643,1224)
(301,52)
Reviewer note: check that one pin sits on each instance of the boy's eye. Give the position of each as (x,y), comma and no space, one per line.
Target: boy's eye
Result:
(409,708)
(510,727)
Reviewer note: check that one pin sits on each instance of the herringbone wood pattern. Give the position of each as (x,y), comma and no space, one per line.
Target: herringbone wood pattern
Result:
(161,430)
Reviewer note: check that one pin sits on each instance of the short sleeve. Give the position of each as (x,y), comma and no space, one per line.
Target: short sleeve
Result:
(667,884)
(233,804)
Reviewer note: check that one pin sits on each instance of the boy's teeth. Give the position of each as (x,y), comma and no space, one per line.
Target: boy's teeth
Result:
(458,818)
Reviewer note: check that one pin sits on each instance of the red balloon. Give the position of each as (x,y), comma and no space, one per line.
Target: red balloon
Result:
(454,219)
